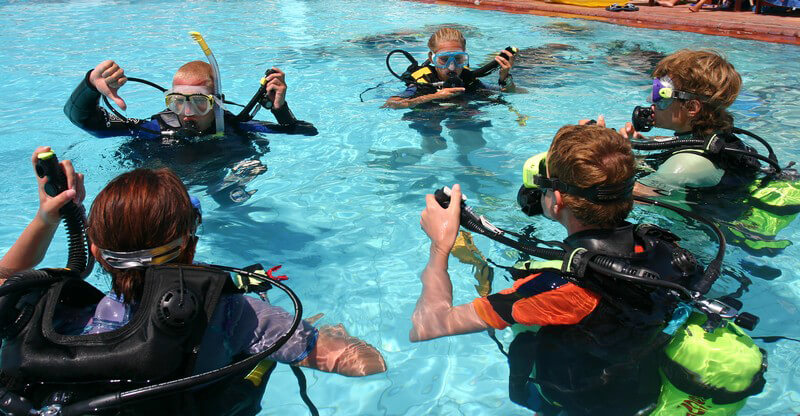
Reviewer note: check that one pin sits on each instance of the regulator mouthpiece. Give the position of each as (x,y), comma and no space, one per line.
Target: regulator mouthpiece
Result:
(643,118)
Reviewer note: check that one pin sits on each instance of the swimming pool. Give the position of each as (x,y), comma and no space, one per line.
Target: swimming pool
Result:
(340,210)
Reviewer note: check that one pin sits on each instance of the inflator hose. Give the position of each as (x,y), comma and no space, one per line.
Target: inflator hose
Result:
(78,259)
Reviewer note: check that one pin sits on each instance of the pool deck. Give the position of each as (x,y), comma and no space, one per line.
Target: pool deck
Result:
(744,24)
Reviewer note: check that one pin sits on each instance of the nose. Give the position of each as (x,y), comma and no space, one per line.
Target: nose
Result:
(187,110)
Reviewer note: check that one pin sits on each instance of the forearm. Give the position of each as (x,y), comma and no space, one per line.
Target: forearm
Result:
(83,110)
(29,249)
(397,102)
(338,352)
(436,300)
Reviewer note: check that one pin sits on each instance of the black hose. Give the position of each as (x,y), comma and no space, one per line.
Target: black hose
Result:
(759,139)
(641,280)
(712,272)
(697,144)
(26,280)
(407,55)
(303,385)
(74,220)
(116,400)
(667,144)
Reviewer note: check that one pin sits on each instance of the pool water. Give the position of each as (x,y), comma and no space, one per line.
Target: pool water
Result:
(340,211)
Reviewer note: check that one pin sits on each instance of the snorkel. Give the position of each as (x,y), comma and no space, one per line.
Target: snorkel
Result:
(218,108)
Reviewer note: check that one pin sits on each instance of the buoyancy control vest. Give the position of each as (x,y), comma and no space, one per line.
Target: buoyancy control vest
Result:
(160,343)
(613,353)
(738,161)
(425,79)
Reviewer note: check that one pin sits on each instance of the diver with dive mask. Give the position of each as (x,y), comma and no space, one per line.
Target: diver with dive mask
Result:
(144,348)
(593,322)
(199,84)
(446,73)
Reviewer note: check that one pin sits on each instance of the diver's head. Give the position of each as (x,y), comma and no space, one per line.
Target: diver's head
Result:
(448,53)
(142,210)
(702,84)
(591,160)
(191,96)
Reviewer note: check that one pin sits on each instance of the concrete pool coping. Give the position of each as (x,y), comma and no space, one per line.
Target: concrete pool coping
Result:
(744,24)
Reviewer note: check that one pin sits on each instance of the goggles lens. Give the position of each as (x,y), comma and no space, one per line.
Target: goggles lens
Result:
(443,60)
(199,104)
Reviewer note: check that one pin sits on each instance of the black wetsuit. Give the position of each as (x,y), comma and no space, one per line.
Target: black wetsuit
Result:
(83,109)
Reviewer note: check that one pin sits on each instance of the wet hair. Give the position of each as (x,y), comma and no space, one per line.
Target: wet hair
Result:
(446,34)
(704,73)
(140,210)
(196,70)
(585,156)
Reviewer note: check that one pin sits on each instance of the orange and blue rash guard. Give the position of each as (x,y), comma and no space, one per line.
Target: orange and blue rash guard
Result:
(543,298)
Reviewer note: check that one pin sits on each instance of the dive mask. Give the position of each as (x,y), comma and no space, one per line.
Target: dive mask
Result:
(459,59)
(152,256)
(664,93)
(534,176)
(197,101)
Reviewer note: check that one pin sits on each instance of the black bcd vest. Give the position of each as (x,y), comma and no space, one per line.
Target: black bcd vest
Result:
(608,362)
(160,343)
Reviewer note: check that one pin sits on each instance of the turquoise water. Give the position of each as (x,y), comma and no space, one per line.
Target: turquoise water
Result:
(340,210)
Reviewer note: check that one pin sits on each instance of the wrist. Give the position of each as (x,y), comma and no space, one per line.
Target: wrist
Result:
(505,81)
(43,220)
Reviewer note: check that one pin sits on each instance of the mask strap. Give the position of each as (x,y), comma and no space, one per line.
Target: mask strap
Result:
(143,258)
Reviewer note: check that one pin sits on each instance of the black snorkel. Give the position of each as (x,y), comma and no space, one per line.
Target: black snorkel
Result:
(582,259)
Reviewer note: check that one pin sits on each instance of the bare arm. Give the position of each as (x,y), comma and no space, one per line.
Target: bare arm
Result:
(338,352)
(444,93)
(435,316)
(32,244)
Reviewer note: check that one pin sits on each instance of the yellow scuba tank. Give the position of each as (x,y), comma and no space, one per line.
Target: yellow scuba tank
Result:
(709,373)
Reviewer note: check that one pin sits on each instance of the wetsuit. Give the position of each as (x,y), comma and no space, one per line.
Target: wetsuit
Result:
(596,352)
(83,109)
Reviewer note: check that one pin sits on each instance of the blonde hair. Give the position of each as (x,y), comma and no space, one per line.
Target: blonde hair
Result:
(704,73)
(446,34)
(589,155)
(196,70)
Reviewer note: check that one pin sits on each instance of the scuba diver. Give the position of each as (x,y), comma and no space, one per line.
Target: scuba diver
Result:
(195,108)
(446,90)
(722,177)
(172,337)
(605,325)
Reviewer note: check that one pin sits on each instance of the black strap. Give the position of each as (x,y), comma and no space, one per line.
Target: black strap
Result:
(301,383)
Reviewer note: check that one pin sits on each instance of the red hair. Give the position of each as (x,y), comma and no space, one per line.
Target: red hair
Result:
(195,73)
(139,210)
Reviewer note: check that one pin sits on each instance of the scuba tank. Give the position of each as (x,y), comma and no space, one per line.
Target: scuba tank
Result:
(709,373)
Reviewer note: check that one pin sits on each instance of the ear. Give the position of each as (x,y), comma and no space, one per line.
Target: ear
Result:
(95,251)
(693,108)
(558,202)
